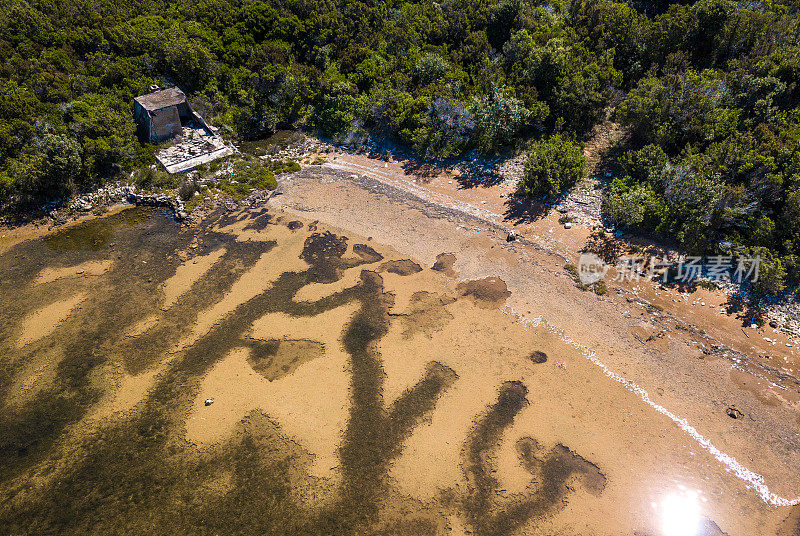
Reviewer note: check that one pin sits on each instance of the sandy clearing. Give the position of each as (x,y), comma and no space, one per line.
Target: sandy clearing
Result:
(142,326)
(310,404)
(88,268)
(37,373)
(186,274)
(127,392)
(44,321)
(325,327)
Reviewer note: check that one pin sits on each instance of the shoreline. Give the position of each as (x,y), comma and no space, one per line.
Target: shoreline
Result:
(701,340)
(648,357)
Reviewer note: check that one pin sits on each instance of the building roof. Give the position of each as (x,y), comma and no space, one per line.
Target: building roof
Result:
(161,99)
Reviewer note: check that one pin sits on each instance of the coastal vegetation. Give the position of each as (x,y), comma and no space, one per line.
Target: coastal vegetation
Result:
(707,92)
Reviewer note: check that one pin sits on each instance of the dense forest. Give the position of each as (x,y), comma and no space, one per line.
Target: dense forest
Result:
(707,91)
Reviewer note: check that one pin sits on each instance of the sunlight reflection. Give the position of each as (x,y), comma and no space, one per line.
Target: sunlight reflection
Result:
(680,513)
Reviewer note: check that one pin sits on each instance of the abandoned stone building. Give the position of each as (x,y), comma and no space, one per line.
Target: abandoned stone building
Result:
(164,114)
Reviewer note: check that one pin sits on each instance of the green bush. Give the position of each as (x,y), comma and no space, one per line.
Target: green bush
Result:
(553,165)
(771,274)
(263,180)
(638,206)
(600,288)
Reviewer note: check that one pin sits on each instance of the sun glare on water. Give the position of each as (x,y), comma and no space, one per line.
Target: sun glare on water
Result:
(680,513)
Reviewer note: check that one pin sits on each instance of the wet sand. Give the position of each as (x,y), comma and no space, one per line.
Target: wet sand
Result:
(404,372)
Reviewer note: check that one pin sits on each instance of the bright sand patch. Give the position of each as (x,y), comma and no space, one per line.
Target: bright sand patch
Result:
(89,268)
(37,373)
(128,392)
(186,274)
(142,326)
(310,404)
(44,321)
(317,291)
(325,327)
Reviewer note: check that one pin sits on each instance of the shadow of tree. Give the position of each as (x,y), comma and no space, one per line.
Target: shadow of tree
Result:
(520,209)
(605,246)
(480,172)
(475,172)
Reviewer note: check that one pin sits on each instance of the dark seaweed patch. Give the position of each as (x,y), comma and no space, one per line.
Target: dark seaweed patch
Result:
(144,238)
(277,358)
(137,475)
(551,471)
(94,234)
(538,357)
(444,263)
(323,251)
(488,292)
(401,267)
(259,220)
(367,254)
(141,352)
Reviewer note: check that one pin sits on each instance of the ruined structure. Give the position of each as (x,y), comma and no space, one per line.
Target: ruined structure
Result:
(161,114)
(166,114)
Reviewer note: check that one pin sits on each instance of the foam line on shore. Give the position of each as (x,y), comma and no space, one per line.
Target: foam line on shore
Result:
(753,479)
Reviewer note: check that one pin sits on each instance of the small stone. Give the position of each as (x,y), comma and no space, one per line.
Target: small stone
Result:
(209,401)
(734,413)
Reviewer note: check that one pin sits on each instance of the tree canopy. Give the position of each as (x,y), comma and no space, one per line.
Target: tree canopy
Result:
(707,90)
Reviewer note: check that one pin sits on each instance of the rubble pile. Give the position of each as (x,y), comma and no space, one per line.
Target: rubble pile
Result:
(159,200)
(787,316)
(299,149)
(583,203)
(193,148)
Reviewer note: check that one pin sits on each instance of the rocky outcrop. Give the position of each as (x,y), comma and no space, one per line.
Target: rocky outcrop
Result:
(158,200)
(114,194)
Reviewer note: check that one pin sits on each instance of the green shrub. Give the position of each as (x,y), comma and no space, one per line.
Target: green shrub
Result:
(553,165)
(263,180)
(234,189)
(600,288)
(572,270)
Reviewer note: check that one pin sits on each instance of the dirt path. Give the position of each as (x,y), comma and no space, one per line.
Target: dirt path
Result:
(583,204)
